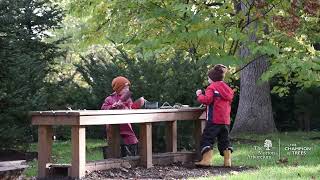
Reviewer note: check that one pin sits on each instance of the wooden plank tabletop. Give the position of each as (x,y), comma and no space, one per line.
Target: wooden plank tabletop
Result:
(109,112)
(100,117)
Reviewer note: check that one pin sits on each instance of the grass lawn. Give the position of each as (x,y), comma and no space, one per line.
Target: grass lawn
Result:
(293,163)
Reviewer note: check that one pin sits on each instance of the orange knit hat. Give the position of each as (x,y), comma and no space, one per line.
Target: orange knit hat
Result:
(119,83)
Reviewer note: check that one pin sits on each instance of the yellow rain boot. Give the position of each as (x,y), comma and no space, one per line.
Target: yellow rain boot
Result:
(206,159)
(227,158)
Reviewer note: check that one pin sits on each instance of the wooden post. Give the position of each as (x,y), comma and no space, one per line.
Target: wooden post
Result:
(114,141)
(146,145)
(171,136)
(198,129)
(78,140)
(44,149)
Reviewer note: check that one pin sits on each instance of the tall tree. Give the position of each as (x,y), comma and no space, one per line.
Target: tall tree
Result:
(255,111)
(25,61)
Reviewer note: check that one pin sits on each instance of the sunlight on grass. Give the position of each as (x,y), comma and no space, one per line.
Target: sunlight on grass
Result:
(292,166)
(268,173)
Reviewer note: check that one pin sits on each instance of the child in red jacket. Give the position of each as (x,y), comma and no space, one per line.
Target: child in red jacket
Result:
(218,97)
(120,99)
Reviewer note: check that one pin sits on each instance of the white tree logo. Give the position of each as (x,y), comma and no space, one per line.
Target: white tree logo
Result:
(267,144)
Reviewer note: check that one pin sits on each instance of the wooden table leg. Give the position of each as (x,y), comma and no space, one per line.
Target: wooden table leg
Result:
(146,144)
(78,141)
(198,129)
(44,149)
(114,141)
(171,136)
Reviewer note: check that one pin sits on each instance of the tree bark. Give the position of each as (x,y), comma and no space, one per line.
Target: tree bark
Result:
(254,112)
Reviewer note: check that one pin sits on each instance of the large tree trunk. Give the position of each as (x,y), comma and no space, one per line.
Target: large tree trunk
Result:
(254,111)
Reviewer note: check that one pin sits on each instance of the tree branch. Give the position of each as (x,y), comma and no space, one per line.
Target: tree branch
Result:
(255,19)
(213,4)
(209,4)
(231,47)
(248,64)
(235,47)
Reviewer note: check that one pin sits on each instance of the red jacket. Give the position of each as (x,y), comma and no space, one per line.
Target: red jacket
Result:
(113,98)
(218,98)
(126,130)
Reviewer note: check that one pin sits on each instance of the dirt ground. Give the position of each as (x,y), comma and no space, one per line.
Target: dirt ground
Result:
(174,171)
(171,172)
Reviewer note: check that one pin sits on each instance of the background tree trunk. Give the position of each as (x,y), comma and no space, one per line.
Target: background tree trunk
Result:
(254,112)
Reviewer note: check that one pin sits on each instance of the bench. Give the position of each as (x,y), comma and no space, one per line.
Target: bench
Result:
(78,120)
(12,169)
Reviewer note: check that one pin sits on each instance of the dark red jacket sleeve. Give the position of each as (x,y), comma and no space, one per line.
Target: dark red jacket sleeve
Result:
(107,104)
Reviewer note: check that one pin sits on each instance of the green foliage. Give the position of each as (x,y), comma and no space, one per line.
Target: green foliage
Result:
(307,104)
(160,27)
(174,80)
(163,47)
(295,107)
(205,29)
(24,63)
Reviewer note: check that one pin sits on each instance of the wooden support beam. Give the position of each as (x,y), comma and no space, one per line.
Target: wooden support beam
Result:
(114,141)
(133,161)
(146,144)
(44,149)
(78,140)
(203,115)
(171,136)
(78,119)
(111,163)
(198,129)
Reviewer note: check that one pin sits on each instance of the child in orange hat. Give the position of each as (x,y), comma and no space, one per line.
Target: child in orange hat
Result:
(120,99)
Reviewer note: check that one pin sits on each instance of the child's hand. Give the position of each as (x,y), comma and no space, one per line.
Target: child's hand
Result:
(198,92)
(114,105)
(117,104)
(141,101)
(138,103)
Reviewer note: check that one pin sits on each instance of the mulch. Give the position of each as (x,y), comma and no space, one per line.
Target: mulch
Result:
(173,171)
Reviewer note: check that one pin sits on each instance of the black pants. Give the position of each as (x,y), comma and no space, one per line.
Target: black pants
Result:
(212,131)
(129,150)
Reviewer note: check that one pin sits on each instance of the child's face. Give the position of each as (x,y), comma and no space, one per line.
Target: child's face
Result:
(125,89)
(209,80)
